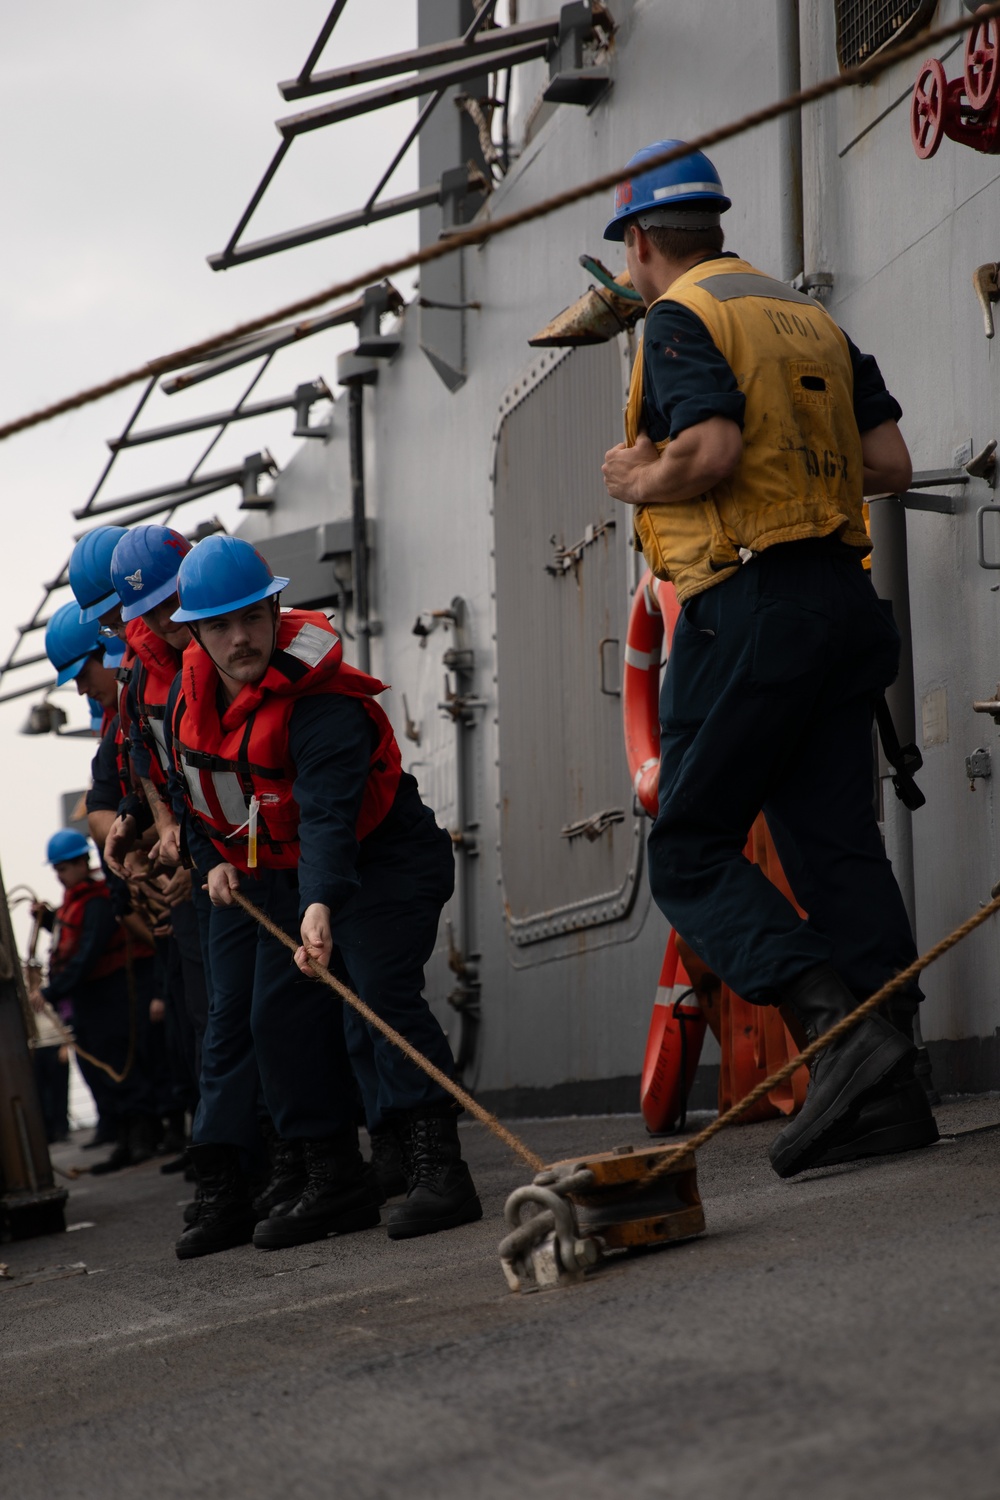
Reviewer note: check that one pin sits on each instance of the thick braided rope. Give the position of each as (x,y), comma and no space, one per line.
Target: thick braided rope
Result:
(457,1092)
(827,1039)
(478,234)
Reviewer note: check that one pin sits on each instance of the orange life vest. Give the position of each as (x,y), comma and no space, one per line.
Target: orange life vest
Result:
(154,665)
(227,759)
(69,925)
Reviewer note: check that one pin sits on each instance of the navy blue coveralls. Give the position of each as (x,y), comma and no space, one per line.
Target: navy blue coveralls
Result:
(186,976)
(385,897)
(767,704)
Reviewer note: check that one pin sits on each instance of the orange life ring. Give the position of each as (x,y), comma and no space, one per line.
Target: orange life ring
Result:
(673,1046)
(651,622)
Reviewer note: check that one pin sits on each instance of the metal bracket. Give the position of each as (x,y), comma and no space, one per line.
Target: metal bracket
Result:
(591,828)
(978,767)
(607,640)
(987,289)
(571,81)
(567,557)
(815,284)
(254,465)
(304,398)
(989,706)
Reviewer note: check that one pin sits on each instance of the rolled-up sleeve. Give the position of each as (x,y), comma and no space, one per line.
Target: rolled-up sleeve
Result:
(685,376)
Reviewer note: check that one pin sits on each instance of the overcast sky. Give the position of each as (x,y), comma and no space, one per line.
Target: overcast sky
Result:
(133,137)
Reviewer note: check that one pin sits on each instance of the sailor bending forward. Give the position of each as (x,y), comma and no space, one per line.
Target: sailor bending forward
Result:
(293,791)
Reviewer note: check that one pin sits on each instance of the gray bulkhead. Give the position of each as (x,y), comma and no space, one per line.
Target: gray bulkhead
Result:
(477,493)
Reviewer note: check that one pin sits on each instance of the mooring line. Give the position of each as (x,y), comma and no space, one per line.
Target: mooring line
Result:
(782,1074)
(478,234)
(365,1011)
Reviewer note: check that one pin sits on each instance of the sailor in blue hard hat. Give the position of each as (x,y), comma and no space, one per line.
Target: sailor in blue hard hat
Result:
(294,793)
(96,966)
(754,428)
(90,578)
(77,651)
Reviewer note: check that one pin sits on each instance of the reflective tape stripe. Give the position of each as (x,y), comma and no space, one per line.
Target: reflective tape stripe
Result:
(651,598)
(311,644)
(641,659)
(159,735)
(193,781)
(230,795)
(670,994)
(647,765)
(684,189)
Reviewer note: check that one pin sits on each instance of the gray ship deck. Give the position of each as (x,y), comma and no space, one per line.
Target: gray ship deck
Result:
(836,1336)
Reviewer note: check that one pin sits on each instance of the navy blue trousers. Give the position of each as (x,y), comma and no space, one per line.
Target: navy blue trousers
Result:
(105,1016)
(767,704)
(268,1020)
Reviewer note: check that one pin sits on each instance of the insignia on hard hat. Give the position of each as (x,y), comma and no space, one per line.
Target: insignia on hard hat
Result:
(134,580)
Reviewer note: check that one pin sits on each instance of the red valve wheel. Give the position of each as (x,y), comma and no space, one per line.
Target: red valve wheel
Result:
(982,63)
(927,108)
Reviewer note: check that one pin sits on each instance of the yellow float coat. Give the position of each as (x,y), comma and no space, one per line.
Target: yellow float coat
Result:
(800,474)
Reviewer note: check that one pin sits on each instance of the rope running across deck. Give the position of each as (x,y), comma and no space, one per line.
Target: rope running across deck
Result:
(457,1092)
(478,234)
(901,980)
(673,1158)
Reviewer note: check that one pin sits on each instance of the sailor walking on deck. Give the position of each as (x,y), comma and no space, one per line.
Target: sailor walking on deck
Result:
(293,791)
(753,429)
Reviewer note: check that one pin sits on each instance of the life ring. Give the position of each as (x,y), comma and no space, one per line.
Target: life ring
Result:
(673,1047)
(651,623)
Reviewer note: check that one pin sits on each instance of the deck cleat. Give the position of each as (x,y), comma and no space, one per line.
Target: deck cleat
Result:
(585,1207)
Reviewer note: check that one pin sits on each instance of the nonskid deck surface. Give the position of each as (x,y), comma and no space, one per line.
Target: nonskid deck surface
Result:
(839,1332)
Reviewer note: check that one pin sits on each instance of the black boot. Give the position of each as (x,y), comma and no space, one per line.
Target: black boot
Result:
(342,1194)
(842,1075)
(442,1194)
(896,1118)
(143,1137)
(387,1159)
(225,1215)
(120,1157)
(287,1180)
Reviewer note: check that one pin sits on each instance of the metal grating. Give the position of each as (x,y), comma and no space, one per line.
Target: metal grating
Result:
(865,27)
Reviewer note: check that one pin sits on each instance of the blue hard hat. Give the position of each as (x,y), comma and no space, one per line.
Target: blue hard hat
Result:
(66,844)
(221,574)
(690,182)
(144,567)
(70,641)
(90,571)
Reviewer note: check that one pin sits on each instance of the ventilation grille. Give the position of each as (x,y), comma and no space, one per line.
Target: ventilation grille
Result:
(865,27)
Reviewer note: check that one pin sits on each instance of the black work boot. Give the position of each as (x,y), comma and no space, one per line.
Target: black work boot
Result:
(387,1159)
(287,1180)
(842,1075)
(120,1157)
(442,1194)
(895,1118)
(143,1137)
(342,1194)
(225,1215)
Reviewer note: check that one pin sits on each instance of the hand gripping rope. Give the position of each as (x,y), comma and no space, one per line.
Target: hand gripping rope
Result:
(478,234)
(619,1198)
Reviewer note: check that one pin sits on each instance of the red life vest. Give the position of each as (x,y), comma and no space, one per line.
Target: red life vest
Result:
(123,676)
(69,925)
(226,760)
(154,665)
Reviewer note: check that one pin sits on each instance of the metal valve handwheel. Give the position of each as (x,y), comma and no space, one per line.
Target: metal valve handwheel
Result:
(982,63)
(927,108)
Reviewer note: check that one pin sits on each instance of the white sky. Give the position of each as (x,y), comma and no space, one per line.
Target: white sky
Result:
(132,139)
